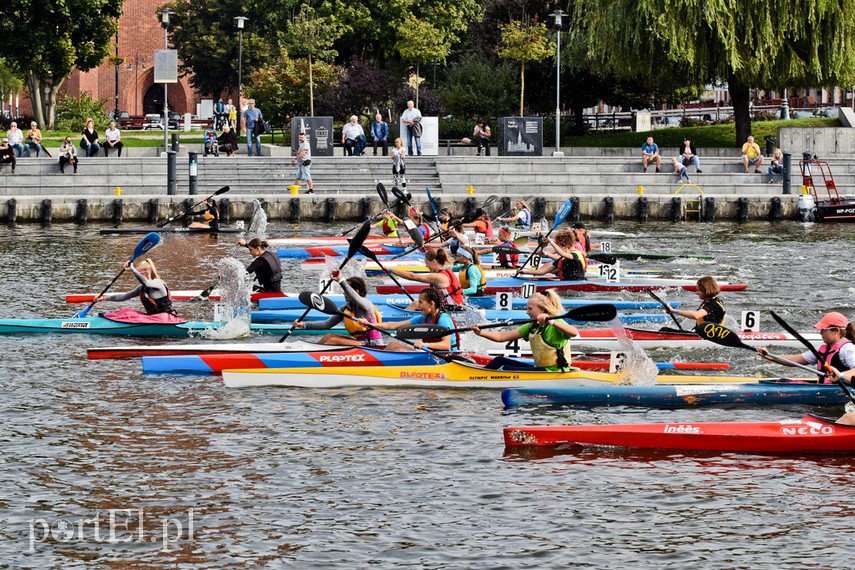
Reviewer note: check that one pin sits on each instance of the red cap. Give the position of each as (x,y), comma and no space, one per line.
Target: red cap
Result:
(832,319)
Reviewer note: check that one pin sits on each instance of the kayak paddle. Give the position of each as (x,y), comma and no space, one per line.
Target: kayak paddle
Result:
(370,255)
(812,349)
(354,244)
(667,307)
(603,258)
(326,306)
(222,190)
(726,337)
(381,191)
(562,214)
(595,313)
(145,245)
(505,249)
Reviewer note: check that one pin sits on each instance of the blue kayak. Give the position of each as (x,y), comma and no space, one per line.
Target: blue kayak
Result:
(767,392)
(216,363)
(334,251)
(392,313)
(486,302)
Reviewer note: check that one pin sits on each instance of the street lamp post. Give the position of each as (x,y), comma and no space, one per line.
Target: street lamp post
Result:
(557,23)
(139,63)
(240,20)
(785,106)
(116,110)
(164,21)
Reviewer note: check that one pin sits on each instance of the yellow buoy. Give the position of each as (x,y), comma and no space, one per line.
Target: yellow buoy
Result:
(294,189)
(470,190)
(640,190)
(117,191)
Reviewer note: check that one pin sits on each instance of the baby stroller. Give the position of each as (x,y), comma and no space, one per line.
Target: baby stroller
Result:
(211,145)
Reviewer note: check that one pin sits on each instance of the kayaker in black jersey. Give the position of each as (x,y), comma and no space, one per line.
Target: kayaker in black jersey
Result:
(268,271)
(711,309)
(152,291)
(211,215)
(570,262)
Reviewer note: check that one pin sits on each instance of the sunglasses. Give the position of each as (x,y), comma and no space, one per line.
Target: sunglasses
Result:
(830,329)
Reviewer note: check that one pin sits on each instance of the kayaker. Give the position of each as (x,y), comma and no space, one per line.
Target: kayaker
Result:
(482,225)
(266,266)
(456,239)
(440,278)
(583,235)
(837,350)
(550,339)
(210,214)
(506,260)
(389,224)
(358,307)
(570,262)
(152,291)
(469,272)
(430,304)
(522,218)
(711,309)
(833,376)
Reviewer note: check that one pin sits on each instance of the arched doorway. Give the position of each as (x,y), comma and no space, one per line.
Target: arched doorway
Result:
(153,100)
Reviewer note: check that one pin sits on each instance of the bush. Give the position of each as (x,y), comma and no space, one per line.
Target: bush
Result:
(691,122)
(71,113)
(764,116)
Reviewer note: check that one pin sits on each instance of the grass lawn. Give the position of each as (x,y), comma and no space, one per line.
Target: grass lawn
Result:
(708,136)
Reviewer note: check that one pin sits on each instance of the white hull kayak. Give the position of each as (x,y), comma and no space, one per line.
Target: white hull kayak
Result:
(175,349)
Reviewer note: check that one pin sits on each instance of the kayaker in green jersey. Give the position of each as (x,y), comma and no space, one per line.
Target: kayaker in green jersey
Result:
(550,339)
(711,309)
(152,291)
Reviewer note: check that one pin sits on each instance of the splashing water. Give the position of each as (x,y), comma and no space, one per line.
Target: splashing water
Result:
(257,224)
(235,309)
(636,368)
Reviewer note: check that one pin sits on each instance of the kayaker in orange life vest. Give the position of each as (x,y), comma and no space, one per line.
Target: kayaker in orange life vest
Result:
(568,253)
(838,350)
(506,261)
(482,225)
(357,306)
(210,214)
(711,309)
(440,278)
(430,306)
(152,291)
(550,339)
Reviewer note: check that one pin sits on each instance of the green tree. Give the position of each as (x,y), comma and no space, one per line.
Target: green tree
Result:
(525,42)
(281,90)
(9,81)
(791,43)
(476,87)
(312,36)
(420,42)
(45,40)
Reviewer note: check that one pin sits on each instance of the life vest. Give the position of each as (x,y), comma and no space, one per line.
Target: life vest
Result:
(455,340)
(831,355)
(545,355)
(485,227)
(425,229)
(524,222)
(573,268)
(454,292)
(463,276)
(156,306)
(508,261)
(389,228)
(359,331)
(275,282)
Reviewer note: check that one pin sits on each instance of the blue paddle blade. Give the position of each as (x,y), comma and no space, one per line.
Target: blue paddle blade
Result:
(432,203)
(563,212)
(146,244)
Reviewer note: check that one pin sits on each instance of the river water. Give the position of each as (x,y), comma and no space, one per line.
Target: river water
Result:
(186,473)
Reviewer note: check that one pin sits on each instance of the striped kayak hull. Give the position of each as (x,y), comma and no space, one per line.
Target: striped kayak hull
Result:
(606,339)
(515,284)
(334,251)
(448,375)
(293,302)
(187,295)
(174,349)
(810,434)
(763,393)
(391,313)
(351,356)
(170,230)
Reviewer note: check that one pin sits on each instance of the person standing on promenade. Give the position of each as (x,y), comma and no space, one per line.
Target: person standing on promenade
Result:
(303,160)
(412,119)
(252,115)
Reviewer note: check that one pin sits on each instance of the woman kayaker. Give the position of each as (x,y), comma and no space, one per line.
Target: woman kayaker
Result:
(482,225)
(837,350)
(522,218)
(440,278)
(268,271)
(833,376)
(711,309)
(210,214)
(549,338)
(388,224)
(469,272)
(357,306)
(506,260)
(456,238)
(430,306)
(152,291)
(569,260)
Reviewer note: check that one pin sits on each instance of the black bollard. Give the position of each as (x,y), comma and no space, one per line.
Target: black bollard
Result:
(223,208)
(11,211)
(47,211)
(469,207)
(785,175)
(364,208)
(742,209)
(194,173)
(609,210)
(574,211)
(81,211)
(505,204)
(118,211)
(709,209)
(175,143)
(539,209)
(643,209)
(676,209)
(294,207)
(171,183)
(153,207)
(329,210)
(775,214)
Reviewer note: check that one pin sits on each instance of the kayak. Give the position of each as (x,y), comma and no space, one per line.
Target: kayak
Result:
(335,251)
(515,284)
(661,256)
(136,351)
(325,240)
(764,393)
(319,358)
(399,313)
(448,375)
(170,230)
(811,434)
(293,302)
(607,339)
(189,295)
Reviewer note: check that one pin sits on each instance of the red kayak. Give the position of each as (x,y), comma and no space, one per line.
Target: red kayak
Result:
(811,434)
(189,295)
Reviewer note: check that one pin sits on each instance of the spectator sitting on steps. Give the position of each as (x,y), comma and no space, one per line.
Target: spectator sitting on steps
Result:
(650,153)
(227,141)
(689,154)
(680,169)
(350,134)
(751,154)
(777,166)
(113,139)
(7,155)
(481,134)
(67,155)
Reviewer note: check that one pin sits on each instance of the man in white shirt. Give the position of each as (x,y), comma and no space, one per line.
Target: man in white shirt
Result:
(114,139)
(412,118)
(303,160)
(350,134)
(16,138)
